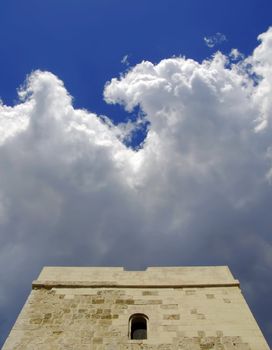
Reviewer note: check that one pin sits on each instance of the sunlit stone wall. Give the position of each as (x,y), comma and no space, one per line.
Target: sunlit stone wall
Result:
(192,308)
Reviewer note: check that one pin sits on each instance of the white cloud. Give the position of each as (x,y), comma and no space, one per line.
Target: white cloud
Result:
(261,65)
(215,39)
(236,55)
(196,192)
(125,60)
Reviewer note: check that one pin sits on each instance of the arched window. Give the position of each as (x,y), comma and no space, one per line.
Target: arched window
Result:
(138,326)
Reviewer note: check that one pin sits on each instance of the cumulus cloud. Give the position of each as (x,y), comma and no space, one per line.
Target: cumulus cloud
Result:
(197,191)
(215,39)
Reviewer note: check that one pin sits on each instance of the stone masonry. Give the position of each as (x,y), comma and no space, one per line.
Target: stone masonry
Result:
(82,308)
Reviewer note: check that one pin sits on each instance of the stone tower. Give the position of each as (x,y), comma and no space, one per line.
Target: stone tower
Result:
(190,308)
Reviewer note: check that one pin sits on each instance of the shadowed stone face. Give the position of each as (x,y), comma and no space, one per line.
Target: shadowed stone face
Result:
(139,334)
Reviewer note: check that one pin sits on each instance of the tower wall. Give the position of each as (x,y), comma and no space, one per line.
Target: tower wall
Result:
(192,308)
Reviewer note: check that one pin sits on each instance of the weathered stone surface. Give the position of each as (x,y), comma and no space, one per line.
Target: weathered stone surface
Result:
(197,308)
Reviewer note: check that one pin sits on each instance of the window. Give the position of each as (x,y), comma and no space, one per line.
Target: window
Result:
(138,326)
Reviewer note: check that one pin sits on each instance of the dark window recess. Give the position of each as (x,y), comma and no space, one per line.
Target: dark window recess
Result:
(138,327)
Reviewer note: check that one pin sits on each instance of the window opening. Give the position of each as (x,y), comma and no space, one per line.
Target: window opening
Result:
(138,326)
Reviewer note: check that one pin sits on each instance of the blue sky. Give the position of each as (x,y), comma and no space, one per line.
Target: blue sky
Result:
(83,42)
(76,190)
